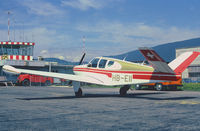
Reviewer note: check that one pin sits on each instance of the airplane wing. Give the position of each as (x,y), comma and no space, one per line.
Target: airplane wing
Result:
(155,60)
(87,79)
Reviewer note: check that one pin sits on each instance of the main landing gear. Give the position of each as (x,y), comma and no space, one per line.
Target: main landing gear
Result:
(123,90)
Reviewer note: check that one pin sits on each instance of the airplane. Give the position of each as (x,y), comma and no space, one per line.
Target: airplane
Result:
(114,72)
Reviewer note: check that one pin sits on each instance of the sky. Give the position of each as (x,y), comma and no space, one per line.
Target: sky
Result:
(60,28)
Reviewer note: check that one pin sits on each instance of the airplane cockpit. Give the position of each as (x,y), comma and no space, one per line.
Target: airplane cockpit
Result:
(103,63)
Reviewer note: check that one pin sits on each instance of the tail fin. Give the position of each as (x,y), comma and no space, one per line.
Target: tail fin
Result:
(155,60)
(183,61)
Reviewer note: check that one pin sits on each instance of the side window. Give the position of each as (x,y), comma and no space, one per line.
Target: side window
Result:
(102,63)
(110,63)
(94,63)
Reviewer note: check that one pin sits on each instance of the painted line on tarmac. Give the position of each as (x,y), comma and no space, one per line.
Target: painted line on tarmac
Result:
(183,102)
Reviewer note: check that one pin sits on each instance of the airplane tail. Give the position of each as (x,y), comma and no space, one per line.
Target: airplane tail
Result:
(177,66)
(155,60)
(183,61)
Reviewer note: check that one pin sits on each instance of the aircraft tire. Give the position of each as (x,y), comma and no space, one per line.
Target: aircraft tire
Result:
(79,93)
(123,90)
(159,87)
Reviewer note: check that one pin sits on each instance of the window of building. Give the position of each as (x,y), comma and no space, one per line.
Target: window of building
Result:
(9,50)
(1,50)
(194,74)
(15,49)
(5,51)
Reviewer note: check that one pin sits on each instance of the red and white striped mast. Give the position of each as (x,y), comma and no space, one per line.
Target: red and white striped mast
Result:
(8,26)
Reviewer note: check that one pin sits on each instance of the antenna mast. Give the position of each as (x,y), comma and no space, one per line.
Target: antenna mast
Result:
(8,26)
(83,44)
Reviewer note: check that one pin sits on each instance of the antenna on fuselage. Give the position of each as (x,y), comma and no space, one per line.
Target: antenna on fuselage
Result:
(143,63)
(125,57)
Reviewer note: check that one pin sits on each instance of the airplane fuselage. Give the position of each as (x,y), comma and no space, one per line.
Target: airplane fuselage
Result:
(121,72)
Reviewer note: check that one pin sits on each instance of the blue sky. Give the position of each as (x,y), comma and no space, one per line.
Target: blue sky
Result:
(110,27)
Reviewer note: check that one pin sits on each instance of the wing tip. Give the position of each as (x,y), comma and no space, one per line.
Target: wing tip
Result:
(10,69)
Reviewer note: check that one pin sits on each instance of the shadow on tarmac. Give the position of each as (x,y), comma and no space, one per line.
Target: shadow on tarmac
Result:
(136,96)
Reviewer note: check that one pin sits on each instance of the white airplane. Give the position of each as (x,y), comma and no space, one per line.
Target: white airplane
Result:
(112,72)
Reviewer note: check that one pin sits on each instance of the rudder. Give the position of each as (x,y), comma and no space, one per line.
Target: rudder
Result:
(183,61)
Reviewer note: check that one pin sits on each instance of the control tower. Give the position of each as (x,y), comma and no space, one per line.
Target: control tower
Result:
(16,51)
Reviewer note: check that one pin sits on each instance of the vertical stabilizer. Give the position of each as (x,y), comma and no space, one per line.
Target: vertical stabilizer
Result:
(183,61)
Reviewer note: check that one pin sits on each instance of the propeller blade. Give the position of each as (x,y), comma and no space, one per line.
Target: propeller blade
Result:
(82,59)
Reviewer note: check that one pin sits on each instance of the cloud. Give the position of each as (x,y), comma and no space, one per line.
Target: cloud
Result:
(84,4)
(132,35)
(42,8)
(61,57)
(44,51)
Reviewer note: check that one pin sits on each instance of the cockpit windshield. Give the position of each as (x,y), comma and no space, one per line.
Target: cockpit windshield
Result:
(94,63)
(101,63)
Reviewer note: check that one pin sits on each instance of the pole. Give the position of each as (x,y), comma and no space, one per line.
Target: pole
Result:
(14,30)
(49,66)
(8,26)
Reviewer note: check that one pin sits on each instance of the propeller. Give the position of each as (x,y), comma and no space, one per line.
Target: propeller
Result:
(81,61)
(82,58)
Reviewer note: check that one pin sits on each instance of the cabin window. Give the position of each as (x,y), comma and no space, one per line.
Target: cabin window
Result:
(93,63)
(110,63)
(102,63)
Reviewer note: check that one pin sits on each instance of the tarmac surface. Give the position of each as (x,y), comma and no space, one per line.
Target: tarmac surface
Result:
(56,108)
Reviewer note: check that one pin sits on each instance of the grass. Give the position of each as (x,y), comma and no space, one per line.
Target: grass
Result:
(191,86)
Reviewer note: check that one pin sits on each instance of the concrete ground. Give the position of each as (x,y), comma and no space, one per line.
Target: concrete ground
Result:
(56,108)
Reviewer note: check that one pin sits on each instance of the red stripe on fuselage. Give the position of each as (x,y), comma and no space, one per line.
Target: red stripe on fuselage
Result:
(136,74)
(120,71)
(151,77)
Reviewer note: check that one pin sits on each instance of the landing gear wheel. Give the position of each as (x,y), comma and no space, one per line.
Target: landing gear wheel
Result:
(138,87)
(79,93)
(159,87)
(123,90)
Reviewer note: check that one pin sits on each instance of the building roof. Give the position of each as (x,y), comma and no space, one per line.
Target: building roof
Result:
(187,47)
